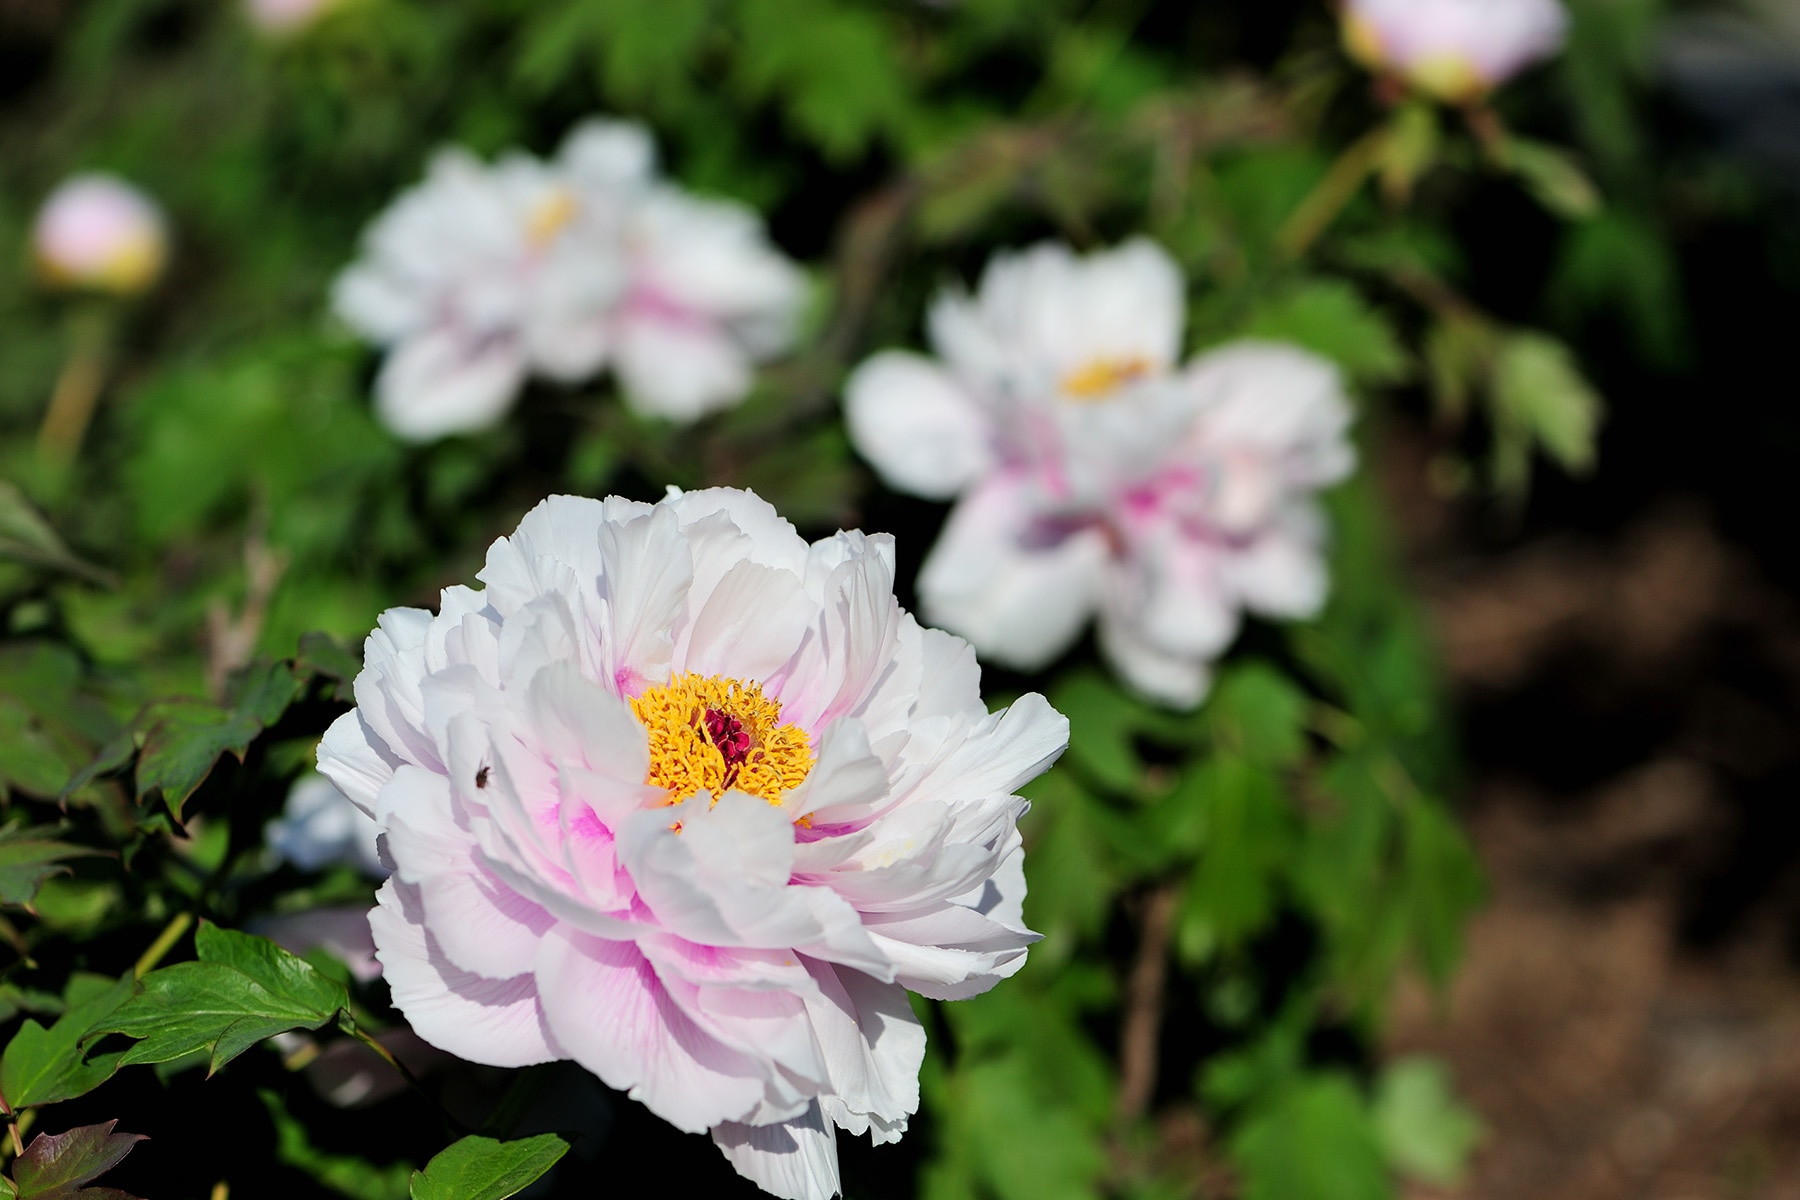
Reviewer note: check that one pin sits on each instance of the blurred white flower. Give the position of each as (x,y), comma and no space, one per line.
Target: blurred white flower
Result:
(320,828)
(483,275)
(1455,50)
(1098,476)
(282,17)
(97,231)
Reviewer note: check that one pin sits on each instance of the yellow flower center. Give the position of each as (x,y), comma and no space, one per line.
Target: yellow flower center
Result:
(550,216)
(713,734)
(1102,377)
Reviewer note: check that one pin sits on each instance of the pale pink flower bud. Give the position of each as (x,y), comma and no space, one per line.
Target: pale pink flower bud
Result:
(281,17)
(96,231)
(695,804)
(1455,50)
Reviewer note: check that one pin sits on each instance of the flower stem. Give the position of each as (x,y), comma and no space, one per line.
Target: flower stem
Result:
(1142,1029)
(1328,198)
(165,941)
(77,387)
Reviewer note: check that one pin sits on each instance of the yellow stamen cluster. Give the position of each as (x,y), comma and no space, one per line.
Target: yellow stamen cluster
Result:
(1101,378)
(550,216)
(684,757)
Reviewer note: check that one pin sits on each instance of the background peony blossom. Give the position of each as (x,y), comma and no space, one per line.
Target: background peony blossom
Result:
(1455,50)
(482,276)
(282,17)
(96,231)
(318,828)
(1095,475)
(693,803)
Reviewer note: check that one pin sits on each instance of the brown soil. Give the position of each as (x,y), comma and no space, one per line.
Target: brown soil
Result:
(1627,1018)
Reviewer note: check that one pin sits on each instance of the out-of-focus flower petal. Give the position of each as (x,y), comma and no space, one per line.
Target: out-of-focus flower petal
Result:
(911,419)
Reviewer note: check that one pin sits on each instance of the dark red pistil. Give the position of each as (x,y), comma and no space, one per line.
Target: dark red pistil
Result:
(729,735)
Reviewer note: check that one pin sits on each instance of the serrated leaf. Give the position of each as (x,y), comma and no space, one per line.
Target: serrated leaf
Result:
(1425,1130)
(30,856)
(43,1066)
(322,657)
(1553,178)
(1260,713)
(263,692)
(1248,832)
(29,760)
(26,537)
(1539,390)
(54,1166)
(1332,318)
(182,741)
(1311,1141)
(243,990)
(479,1168)
(1102,724)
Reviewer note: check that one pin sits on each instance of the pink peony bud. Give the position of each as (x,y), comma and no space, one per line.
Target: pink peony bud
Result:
(97,231)
(1454,50)
(278,17)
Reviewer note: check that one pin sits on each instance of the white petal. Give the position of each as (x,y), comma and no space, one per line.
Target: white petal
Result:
(443,382)
(680,371)
(1020,595)
(796,1160)
(922,431)
(496,1022)
(1163,677)
(610,1013)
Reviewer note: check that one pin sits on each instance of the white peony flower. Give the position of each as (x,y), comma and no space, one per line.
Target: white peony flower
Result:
(97,231)
(1095,475)
(693,803)
(484,275)
(280,18)
(319,828)
(1455,50)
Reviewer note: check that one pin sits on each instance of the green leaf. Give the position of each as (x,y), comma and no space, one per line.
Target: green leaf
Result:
(26,537)
(243,990)
(30,856)
(1258,712)
(55,1166)
(1332,318)
(29,759)
(1426,1132)
(479,1168)
(42,1066)
(181,741)
(1102,724)
(263,692)
(1553,178)
(344,1174)
(1411,148)
(1540,394)
(1311,1141)
(322,657)
(1248,832)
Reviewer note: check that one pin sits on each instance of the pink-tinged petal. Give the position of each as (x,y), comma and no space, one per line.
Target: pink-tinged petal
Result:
(751,623)
(917,425)
(948,972)
(579,723)
(874,1045)
(448,381)
(846,780)
(490,1021)
(608,1010)
(1016,585)
(1177,682)
(680,370)
(796,1160)
(718,873)
(1282,573)
(356,760)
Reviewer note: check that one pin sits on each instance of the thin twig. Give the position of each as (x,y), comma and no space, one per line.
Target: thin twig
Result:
(1141,1035)
(1340,185)
(165,941)
(231,638)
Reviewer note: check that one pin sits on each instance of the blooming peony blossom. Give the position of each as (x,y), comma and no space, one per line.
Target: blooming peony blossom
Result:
(1097,474)
(97,231)
(693,803)
(483,275)
(319,828)
(1455,50)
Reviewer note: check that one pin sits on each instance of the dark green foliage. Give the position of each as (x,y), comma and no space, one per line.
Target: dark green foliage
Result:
(479,1168)
(56,1166)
